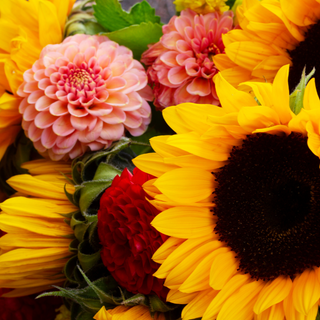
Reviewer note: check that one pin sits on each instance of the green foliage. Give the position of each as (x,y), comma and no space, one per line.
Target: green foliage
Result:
(110,15)
(135,30)
(137,37)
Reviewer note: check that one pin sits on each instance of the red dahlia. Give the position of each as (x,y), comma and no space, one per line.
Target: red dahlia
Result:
(128,239)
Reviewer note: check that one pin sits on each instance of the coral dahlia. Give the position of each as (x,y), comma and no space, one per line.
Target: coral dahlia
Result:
(128,240)
(180,64)
(83,94)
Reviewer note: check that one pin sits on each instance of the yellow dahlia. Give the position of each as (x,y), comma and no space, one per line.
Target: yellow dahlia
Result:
(239,191)
(274,33)
(34,249)
(126,313)
(202,6)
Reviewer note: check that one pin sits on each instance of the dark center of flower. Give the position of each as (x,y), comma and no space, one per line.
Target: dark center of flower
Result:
(268,205)
(306,54)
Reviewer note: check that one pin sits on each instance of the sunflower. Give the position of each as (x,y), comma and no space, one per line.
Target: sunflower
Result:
(34,249)
(29,26)
(274,33)
(239,191)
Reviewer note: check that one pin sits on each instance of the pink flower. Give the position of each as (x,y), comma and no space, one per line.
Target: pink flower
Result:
(83,93)
(181,66)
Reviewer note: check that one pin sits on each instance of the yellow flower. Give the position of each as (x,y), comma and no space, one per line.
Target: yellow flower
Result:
(30,26)
(274,33)
(202,6)
(127,313)
(239,192)
(34,249)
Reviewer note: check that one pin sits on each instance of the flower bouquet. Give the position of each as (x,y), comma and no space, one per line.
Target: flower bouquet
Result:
(160,170)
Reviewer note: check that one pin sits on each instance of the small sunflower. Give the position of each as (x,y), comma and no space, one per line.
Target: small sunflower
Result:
(35,247)
(239,191)
(202,6)
(274,33)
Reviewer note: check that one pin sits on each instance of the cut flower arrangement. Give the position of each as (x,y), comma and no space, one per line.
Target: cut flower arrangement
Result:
(160,171)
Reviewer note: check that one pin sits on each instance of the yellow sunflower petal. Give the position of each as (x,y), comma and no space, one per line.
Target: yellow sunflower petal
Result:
(273,293)
(306,291)
(186,184)
(176,296)
(275,312)
(185,222)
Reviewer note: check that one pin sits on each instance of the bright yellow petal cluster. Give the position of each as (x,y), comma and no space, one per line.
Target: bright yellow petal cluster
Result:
(127,313)
(269,28)
(30,26)
(35,248)
(199,270)
(202,6)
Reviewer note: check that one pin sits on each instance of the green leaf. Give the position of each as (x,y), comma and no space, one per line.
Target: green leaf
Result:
(137,37)
(111,16)
(85,316)
(90,191)
(86,256)
(106,171)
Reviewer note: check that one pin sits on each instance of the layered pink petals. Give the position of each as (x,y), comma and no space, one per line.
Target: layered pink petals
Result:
(180,64)
(83,94)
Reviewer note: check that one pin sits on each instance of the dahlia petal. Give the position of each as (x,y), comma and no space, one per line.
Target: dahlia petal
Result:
(71,52)
(30,113)
(145,93)
(34,96)
(43,103)
(116,116)
(170,58)
(132,120)
(50,92)
(100,110)
(83,122)
(94,146)
(77,150)
(58,108)
(193,222)
(169,40)
(133,82)
(117,68)
(29,87)
(88,136)
(181,95)
(39,146)
(112,132)
(177,75)
(117,99)
(89,53)
(62,95)
(115,84)
(184,47)
(181,23)
(62,126)
(77,112)
(39,75)
(306,291)
(223,268)
(192,69)
(48,138)
(135,102)
(67,142)
(87,43)
(34,133)
(104,61)
(78,59)
(199,86)
(44,120)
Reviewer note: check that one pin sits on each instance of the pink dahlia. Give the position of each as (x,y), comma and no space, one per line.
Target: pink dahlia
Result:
(181,66)
(127,237)
(83,93)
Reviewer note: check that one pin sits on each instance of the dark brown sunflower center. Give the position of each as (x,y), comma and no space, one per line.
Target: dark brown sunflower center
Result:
(268,205)
(306,54)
